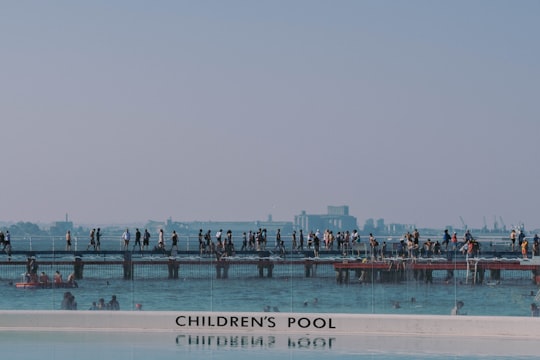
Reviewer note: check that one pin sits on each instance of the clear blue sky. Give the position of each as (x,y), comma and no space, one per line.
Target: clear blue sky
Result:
(413,111)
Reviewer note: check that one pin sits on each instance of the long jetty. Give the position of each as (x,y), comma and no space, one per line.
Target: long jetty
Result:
(173,265)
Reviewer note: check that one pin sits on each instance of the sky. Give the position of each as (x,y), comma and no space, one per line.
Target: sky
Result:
(417,112)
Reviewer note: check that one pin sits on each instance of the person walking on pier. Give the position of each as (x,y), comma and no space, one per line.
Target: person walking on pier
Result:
(92,242)
(513,239)
(68,240)
(416,237)
(218,239)
(174,242)
(201,242)
(251,240)
(346,242)
(137,239)
(161,240)
(294,244)
(446,239)
(244,242)
(126,236)
(374,245)
(264,238)
(146,239)
(278,240)
(98,239)
(316,245)
(454,241)
(524,247)
(355,240)
(301,240)
(208,240)
(521,236)
(7,244)
(536,245)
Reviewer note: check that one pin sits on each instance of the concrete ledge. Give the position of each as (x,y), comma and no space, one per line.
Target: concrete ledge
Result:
(271,323)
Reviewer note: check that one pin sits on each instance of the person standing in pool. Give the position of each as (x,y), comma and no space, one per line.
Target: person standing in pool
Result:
(535,311)
(113,304)
(457,308)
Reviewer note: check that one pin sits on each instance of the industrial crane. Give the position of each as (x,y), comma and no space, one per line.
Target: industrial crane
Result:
(502,224)
(463,223)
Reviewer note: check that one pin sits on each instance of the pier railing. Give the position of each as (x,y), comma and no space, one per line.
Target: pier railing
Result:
(191,243)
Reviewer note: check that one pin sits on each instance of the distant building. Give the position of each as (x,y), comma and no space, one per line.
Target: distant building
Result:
(61,227)
(337,219)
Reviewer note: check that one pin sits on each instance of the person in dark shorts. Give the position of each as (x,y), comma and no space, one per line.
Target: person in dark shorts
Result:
(146,239)
(137,239)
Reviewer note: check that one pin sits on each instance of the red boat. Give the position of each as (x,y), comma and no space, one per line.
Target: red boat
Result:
(50,285)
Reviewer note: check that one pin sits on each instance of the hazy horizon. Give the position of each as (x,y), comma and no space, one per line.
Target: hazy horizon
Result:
(416,112)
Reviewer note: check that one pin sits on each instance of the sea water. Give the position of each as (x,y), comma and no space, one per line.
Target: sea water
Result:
(288,290)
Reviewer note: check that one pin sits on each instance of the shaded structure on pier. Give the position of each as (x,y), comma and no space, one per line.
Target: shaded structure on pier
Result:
(396,269)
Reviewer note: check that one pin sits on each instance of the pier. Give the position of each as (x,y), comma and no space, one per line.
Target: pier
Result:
(139,265)
(395,269)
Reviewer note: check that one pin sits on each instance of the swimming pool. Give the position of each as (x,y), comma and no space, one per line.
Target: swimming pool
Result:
(61,335)
(160,346)
(197,290)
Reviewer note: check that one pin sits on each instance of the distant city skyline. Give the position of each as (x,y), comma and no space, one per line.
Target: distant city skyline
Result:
(497,224)
(416,112)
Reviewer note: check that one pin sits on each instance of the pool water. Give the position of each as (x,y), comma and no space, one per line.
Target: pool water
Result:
(284,294)
(119,346)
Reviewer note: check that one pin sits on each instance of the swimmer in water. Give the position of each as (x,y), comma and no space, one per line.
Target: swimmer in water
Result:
(535,311)
(456,310)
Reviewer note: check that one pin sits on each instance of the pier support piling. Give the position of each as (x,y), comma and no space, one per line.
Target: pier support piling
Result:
(78,267)
(173,267)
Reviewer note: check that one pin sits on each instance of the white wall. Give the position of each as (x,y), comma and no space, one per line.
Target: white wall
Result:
(269,323)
